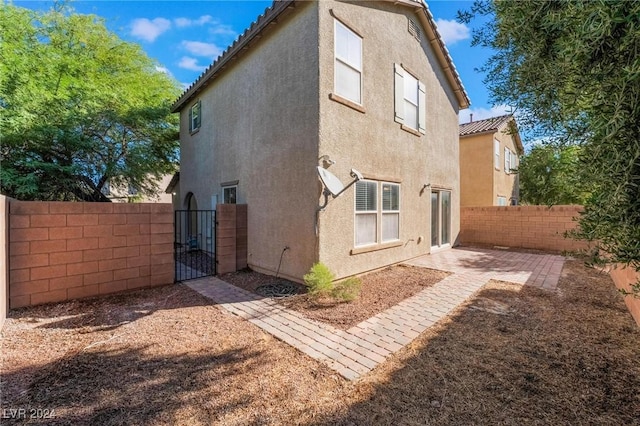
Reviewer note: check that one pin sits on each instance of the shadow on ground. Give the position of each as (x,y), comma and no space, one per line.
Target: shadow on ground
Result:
(117,387)
(514,355)
(93,314)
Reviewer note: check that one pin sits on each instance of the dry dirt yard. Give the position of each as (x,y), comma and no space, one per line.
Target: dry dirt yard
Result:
(513,355)
(380,290)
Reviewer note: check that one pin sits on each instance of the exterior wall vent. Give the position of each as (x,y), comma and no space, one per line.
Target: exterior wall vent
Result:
(414,29)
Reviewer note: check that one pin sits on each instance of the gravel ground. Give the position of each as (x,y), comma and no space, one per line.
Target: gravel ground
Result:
(380,290)
(513,355)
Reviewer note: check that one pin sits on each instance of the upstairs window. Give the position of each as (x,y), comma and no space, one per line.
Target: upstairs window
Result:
(410,100)
(496,153)
(195,117)
(514,161)
(348,63)
(507,160)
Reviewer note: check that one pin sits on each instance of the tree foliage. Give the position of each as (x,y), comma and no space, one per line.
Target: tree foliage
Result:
(572,71)
(550,174)
(79,108)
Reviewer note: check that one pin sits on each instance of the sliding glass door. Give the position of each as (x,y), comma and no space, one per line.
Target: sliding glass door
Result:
(440,218)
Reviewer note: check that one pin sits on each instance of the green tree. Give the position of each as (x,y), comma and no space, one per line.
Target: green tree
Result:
(79,108)
(572,71)
(550,174)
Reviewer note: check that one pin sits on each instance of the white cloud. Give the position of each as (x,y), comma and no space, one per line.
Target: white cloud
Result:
(149,30)
(186,22)
(191,64)
(482,113)
(222,29)
(164,70)
(452,31)
(199,48)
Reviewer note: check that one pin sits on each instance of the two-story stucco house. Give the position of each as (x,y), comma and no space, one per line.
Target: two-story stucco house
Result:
(489,152)
(342,85)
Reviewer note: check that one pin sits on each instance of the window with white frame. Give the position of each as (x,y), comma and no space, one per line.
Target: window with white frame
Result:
(502,201)
(371,205)
(229,194)
(390,212)
(507,160)
(348,63)
(410,100)
(195,117)
(366,220)
(514,161)
(496,153)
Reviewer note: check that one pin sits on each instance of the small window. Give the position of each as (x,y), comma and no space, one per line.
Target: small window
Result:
(502,201)
(348,63)
(496,153)
(410,100)
(195,117)
(229,194)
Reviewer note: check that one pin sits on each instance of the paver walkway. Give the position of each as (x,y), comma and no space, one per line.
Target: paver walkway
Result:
(358,350)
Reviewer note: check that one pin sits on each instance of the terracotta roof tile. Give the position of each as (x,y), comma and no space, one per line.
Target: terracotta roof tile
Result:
(482,126)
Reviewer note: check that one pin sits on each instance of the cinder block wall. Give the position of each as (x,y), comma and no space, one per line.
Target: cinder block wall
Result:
(534,227)
(623,278)
(4,258)
(61,250)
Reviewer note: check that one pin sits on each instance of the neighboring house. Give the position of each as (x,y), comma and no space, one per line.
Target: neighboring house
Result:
(342,85)
(489,153)
(129,194)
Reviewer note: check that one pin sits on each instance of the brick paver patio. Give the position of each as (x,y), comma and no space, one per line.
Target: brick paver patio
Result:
(360,349)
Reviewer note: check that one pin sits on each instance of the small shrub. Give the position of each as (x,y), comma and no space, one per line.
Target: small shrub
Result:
(347,290)
(319,280)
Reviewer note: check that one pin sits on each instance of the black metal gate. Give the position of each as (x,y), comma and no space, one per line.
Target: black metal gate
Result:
(194,244)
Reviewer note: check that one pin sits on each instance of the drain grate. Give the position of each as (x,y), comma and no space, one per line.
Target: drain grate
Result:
(279,289)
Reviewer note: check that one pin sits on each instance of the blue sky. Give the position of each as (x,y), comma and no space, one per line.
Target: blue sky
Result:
(186,36)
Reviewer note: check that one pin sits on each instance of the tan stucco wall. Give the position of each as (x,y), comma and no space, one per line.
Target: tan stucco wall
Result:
(374,143)
(476,171)
(481,183)
(259,126)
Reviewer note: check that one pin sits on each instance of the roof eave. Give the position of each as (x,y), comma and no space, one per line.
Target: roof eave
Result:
(442,53)
(240,44)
